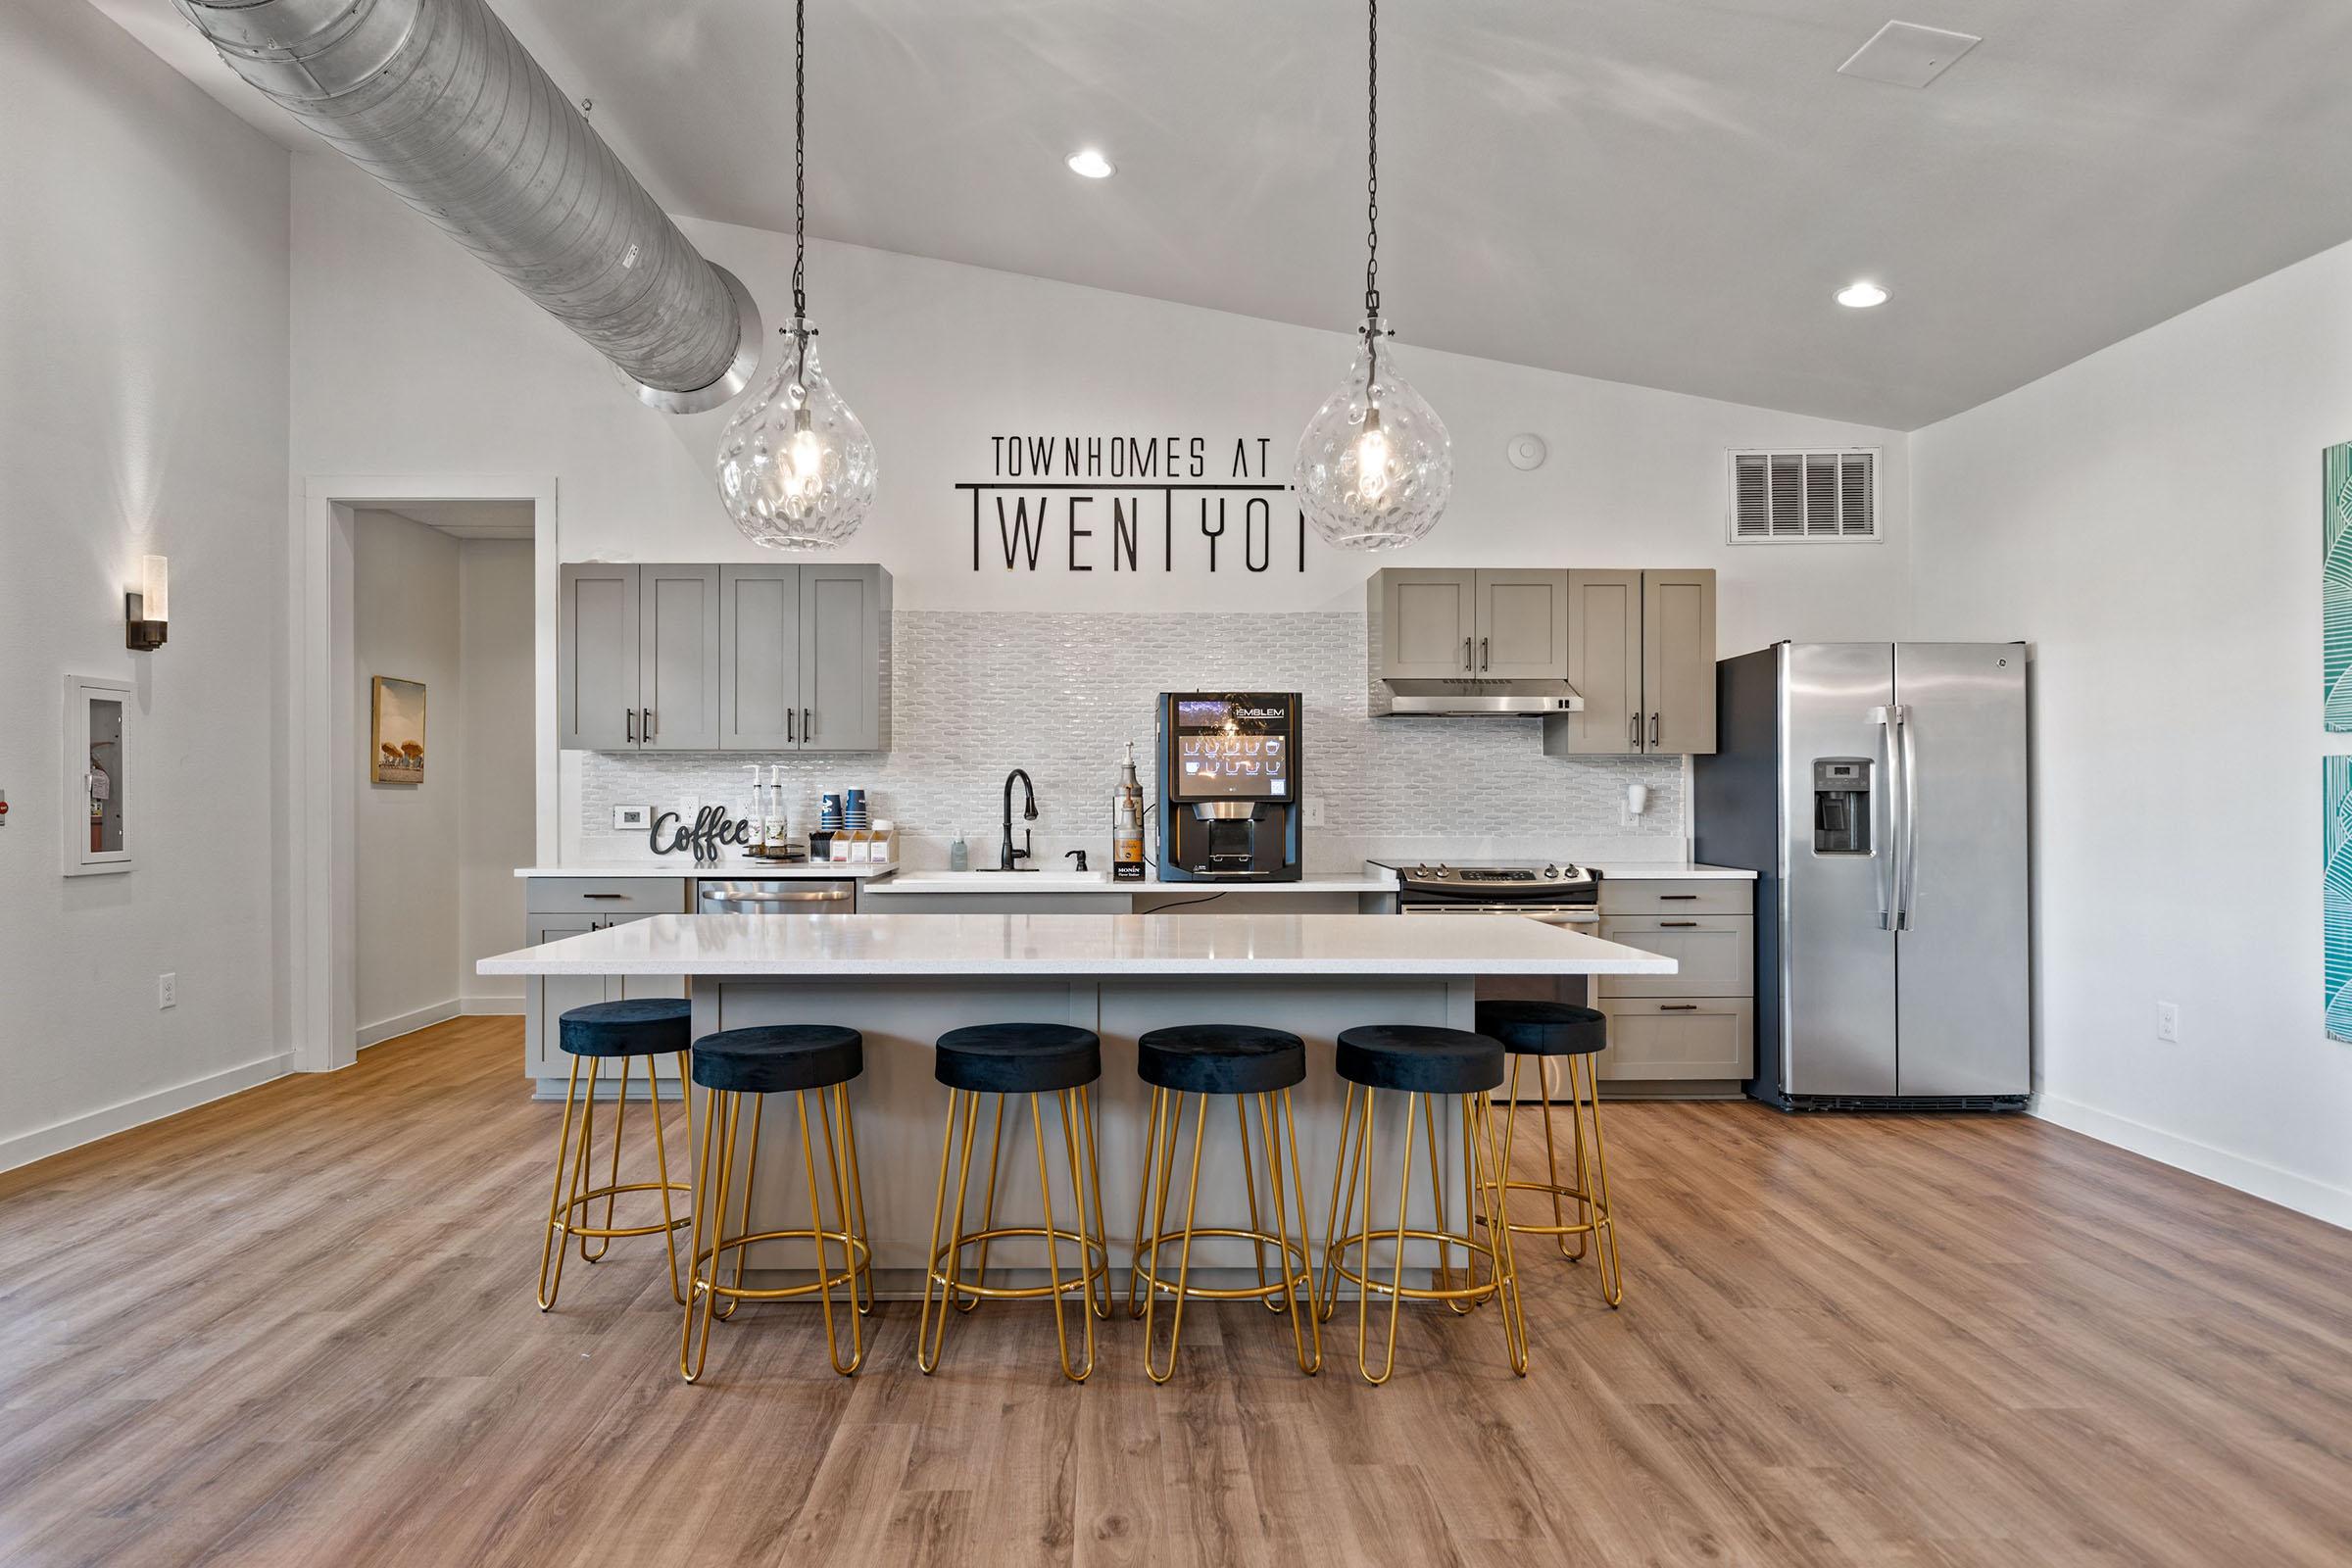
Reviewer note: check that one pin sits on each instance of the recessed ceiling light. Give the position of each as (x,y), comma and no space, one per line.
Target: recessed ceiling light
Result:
(1091,164)
(1861,296)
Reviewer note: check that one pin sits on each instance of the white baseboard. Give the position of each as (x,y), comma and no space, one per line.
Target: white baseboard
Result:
(490,1007)
(74,1130)
(2268,1181)
(406,1023)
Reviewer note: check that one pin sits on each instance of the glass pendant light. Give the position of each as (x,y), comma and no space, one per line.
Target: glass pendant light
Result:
(795,467)
(1375,465)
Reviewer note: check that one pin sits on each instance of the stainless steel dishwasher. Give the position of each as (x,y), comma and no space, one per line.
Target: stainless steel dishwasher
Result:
(779,896)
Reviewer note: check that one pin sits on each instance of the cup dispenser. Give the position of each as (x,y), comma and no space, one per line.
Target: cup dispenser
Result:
(1841,805)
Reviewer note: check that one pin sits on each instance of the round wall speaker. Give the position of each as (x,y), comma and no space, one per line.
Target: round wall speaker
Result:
(1525,452)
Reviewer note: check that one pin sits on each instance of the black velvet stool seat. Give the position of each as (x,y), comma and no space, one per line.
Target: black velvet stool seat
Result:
(599,1033)
(807,1061)
(1573,1036)
(1245,1063)
(1425,1063)
(1038,1060)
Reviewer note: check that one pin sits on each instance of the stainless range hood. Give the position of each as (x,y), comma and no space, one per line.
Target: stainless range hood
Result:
(1473,699)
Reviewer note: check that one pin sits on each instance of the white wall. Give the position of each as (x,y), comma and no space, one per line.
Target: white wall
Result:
(2149,518)
(410,358)
(497,821)
(406,843)
(143,321)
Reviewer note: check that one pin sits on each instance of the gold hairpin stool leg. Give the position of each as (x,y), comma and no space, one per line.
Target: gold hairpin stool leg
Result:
(570,1201)
(1586,1190)
(947,1290)
(1485,1238)
(1294,1268)
(845,1230)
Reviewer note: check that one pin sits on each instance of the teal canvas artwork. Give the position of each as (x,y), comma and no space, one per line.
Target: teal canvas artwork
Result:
(2336,588)
(2336,790)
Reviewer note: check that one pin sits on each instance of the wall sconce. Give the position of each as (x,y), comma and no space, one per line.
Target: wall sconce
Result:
(147,612)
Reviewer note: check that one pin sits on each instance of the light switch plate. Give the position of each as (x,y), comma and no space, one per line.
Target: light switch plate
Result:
(625,817)
(1907,54)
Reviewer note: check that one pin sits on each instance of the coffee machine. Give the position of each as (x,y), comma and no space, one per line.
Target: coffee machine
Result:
(1229,805)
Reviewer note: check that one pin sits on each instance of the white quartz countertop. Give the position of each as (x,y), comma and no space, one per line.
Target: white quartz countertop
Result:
(1058,881)
(725,871)
(1076,945)
(1666,871)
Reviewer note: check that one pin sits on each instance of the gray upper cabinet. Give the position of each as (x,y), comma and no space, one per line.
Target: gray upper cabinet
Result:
(1522,626)
(1448,625)
(759,658)
(597,657)
(1678,660)
(1641,653)
(1604,665)
(678,657)
(845,621)
(1428,622)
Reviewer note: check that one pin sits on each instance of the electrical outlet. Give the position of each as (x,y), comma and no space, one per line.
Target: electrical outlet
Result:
(166,991)
(2168,1021)
(1314,811)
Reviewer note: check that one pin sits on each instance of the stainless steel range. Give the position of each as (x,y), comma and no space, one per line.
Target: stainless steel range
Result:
(1555,892)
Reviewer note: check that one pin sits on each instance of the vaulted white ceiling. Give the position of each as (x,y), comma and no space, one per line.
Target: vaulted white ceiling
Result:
(1658,191)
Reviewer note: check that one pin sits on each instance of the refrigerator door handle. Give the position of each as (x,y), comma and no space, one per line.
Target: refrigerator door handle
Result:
(1882,811)
(1907,877)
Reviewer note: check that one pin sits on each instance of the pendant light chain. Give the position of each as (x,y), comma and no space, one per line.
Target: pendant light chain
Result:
(800,156)
(1372,196)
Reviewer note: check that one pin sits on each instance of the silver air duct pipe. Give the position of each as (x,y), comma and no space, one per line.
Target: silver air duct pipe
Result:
(436,100)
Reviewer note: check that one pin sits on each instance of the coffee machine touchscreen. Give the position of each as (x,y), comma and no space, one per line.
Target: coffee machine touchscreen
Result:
(1228,750)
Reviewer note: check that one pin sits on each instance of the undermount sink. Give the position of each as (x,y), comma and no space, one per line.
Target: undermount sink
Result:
(994,881)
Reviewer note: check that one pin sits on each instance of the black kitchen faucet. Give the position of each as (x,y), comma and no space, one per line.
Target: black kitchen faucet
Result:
(1006,855)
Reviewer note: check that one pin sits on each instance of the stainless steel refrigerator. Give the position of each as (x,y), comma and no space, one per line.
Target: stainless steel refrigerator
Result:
(1878,790)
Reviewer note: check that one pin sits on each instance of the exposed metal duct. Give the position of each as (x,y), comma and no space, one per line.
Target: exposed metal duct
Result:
(436,99)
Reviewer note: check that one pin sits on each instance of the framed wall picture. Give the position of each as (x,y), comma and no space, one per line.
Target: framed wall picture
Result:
(396,731)
(2335,882)
(2336,588)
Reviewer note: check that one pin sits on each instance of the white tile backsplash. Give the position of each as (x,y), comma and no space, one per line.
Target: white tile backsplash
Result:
(975,694)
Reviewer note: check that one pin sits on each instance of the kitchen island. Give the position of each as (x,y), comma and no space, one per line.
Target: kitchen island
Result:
(902,980)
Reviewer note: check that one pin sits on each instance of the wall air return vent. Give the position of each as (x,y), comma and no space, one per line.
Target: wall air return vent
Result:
(1804,497)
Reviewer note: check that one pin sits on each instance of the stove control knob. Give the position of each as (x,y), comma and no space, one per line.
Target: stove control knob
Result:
(1421,870)
(1551,871)
(1444,869)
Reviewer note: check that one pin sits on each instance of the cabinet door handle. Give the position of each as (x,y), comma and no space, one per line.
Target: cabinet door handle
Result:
(603,895)
(1664,925)
(1653,731)
(1633,732)
(1466,665)
(808,726)
(1678,897)
(632,726)
(1485,654)
(1678,1006)
(788,734)
(648,726)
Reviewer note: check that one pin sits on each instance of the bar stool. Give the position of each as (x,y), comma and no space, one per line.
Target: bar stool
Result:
(1424,1064)
(1245,1063)
(1576,1035)
(602,1031)
(1005,1060)
(797,1060)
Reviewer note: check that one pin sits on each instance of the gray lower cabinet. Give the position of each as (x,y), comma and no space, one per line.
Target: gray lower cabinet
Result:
(762,656)
(1641,653)
(570,907)
(1693,1031)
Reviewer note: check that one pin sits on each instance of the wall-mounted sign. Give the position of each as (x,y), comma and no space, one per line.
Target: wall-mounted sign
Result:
(1133,503)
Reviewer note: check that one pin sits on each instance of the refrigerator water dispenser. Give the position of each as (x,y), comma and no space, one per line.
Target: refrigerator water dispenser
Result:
(1841,805)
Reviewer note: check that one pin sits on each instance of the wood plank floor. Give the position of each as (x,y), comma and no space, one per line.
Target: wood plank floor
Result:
(296,1327)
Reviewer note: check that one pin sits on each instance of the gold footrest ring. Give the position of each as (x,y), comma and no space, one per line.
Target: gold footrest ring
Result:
(1598,1211)
(1337,1255)
(1095,1264)
(859,1256)
(1275,1292)
(564,1227)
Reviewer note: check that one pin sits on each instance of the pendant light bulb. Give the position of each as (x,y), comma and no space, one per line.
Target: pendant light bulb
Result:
(1375,465)
(795,465)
